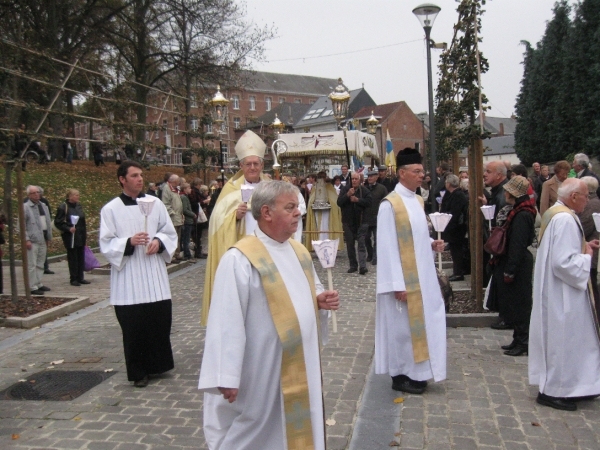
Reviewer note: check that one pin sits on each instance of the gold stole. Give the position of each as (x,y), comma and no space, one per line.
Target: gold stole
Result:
(294,382)
(416,316)
(546,218)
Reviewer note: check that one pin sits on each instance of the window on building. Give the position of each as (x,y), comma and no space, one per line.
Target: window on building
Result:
(237,123)
(298,100)
(268,101)
(176,125)
(209,128)
(156,133)
(155,109)
(281,100)
(311,102)
(252,99)
(236,101)
(165,123)
(194,124)
(147,135)
(193,102)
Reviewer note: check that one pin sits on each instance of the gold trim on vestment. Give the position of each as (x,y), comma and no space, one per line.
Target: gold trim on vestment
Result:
(294,381)
(416,315)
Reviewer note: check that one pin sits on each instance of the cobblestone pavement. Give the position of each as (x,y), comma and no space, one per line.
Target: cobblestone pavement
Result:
(486,403)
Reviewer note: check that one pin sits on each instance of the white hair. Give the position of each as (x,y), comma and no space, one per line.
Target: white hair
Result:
(569,186)
(581,159)
(266,193)
(591,183)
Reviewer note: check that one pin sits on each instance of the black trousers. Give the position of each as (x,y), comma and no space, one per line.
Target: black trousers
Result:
(76,260)
(352,236)
(457,252)
(371,247)
(146,331)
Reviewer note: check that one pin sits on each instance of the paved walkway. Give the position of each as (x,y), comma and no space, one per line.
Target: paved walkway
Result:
(485,403)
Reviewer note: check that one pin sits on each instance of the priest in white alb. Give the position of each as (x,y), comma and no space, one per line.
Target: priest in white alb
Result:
(410,326)
(139,283)
(231,218)
(261,369)
(564,346)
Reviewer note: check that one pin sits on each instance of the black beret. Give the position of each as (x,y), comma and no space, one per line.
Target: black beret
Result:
(408,156)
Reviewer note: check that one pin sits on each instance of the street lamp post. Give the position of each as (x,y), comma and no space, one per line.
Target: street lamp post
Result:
(340,97)
(218,112)
(426,13)
(278,145)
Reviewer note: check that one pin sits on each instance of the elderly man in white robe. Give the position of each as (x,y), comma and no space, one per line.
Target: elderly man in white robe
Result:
(139,283)
(564,346)
(410,327)
(261,370)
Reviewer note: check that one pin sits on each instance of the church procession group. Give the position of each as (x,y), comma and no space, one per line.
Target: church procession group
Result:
(267,313)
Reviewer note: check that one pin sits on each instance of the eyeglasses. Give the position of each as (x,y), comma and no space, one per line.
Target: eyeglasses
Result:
(416,171)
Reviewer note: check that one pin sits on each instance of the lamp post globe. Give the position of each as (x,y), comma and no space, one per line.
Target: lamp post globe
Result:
(340,98)
(426,13)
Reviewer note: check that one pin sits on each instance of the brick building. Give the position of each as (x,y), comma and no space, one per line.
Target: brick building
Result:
(405,128)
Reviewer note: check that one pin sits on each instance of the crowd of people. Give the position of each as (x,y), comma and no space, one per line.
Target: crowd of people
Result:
(267,312)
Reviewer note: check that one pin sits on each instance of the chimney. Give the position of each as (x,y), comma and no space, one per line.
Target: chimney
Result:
(501,129)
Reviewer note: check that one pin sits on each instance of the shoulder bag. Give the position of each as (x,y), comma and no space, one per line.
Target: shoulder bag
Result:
(496,243)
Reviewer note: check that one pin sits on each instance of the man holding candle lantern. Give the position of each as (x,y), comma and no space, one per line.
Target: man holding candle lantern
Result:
(261,372)
(410,328)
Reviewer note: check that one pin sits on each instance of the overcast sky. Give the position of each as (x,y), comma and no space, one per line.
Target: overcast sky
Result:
(311,28)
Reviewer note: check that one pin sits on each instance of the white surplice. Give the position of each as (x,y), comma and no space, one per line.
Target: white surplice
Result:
(564,353)
(243,351)
(393,343)
(139,278)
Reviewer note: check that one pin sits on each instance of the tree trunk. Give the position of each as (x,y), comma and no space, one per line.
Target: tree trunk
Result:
(8,211)
(476,220)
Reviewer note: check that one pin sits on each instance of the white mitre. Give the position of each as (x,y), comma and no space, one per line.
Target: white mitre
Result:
(250,144)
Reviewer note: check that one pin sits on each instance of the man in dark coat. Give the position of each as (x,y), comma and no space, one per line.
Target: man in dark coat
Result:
(354,198)
(388,182)
(378,193)
(439,185)
(494,176)
(581,165)
(455,202)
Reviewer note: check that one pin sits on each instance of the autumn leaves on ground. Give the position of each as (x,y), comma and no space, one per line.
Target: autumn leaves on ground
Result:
(97,186)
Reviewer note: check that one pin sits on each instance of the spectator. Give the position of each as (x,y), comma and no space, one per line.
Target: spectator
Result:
(353,200)
(73,236)
(511,281)
(98,153)
(45,201)
(152,190)
(189,221)
(345,176)
(437,187)
(170,197)
(550,187)
(378,193)
(455,203)
(199,200)
(539,182)
(337,183)
(38,232)
(582,166)
(590,233)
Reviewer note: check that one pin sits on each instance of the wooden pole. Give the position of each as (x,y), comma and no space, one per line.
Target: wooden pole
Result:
(21,212)
(476,221)
(10,223)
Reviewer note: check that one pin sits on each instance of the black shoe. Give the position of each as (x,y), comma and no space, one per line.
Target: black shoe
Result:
(44,288)
(37,292)
(352,270)
(48,272)
(456,278)
(556,402)
(405,384)
(369,258)
(501,325)
(510,346)
(175,261)
(517,351)
(141,383)
(75,283)
(374,262)
(84,282)
(363,270)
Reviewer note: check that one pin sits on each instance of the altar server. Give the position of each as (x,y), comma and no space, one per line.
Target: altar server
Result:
(139,283)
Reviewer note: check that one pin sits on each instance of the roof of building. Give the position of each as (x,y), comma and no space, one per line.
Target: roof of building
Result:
(321,112)
(499,145)
(381,112)
(288,113)
(289,84)
(492,124)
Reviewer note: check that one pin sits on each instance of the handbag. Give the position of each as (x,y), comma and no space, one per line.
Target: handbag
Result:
(201,216)
(90,261)
(496,243)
